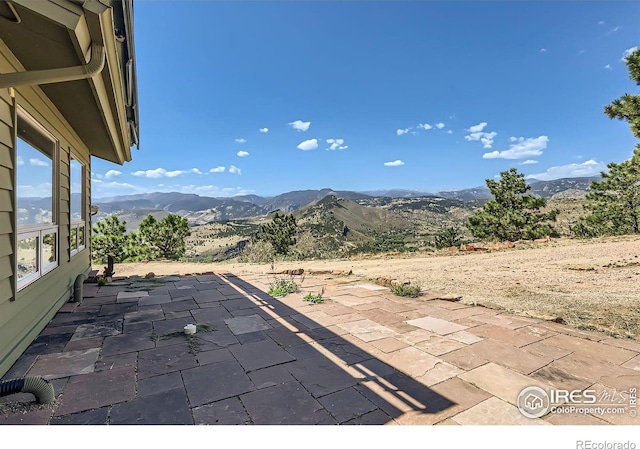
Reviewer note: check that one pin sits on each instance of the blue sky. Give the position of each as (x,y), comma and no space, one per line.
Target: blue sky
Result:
(268,97)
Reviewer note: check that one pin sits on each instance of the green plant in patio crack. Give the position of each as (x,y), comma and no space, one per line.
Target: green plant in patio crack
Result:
(412,291)
(282,287)
(192,340)
(313,299)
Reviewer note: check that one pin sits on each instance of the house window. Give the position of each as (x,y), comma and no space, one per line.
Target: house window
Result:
(37,245)
(77,235)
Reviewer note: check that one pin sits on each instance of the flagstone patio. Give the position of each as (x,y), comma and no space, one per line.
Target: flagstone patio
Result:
(363,356)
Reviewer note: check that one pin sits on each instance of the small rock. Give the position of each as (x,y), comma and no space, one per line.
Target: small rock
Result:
(150,275)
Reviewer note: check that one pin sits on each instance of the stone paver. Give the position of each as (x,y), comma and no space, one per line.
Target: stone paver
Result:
(167,408)
(246,324)
(520,337)
(226,412)
(216,381)
(363,357)
(121,344)
(320,376)
(261,354)
(159,384)
(131,295)
(90,391)
(347,404)
(593,349)
(389,344)
(634,363)
(437,326)
(153,362)
(65,364)
(495,412)
(439,373)
(437,345)
(367,330)
(509,356)
(93,330)
(288,403)
(92,417)
(499,381)
(411,361)
(271,376)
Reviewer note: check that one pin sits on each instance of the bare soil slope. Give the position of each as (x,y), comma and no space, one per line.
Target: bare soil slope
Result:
(587,284)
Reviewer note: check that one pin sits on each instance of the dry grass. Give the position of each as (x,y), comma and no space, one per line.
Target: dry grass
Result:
(587,284)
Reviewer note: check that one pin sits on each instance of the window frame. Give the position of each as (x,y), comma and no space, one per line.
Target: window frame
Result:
(27,122)
(77,224)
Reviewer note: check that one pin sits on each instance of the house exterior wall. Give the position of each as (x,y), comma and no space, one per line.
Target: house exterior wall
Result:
(25,312)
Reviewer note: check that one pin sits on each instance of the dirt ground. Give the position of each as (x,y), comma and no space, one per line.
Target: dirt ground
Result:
(591,284)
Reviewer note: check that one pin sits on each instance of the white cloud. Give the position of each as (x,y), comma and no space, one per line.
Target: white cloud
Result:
(476,133)
(487,139)
(586,168)
(449,131)
(614,29)
(308,145)
(208,190)
(234,169)
(196,171)
(39,190)
(38,162)
(440,125)
(112,174)
(218,169)
(20,161)
(528,162)
(102,188)
(337,144)
(241,140)
(543,50)
(477,128)
(608,67)
(400,132)
(242,153)
(158,173)
(264,130)
(601,22)
(425,126)
(395,163)
(300,125)
(627,52)
(521,148)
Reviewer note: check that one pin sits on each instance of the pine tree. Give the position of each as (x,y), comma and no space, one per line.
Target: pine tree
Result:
(109,239)
(512,214)
(280,232)
(615,201)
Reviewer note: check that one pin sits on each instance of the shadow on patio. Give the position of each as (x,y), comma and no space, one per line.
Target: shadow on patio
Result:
(120,358)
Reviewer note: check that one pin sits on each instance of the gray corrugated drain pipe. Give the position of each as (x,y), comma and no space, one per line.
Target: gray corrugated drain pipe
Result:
(77,288)
(39,387)
(50,76)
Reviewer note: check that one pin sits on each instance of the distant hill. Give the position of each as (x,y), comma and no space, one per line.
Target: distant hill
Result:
(291,201)
(356,217)
(396,193)
(202,209)
(547,189)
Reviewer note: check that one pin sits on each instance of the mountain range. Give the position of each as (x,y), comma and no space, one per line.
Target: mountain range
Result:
(201,209)
(245,206)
